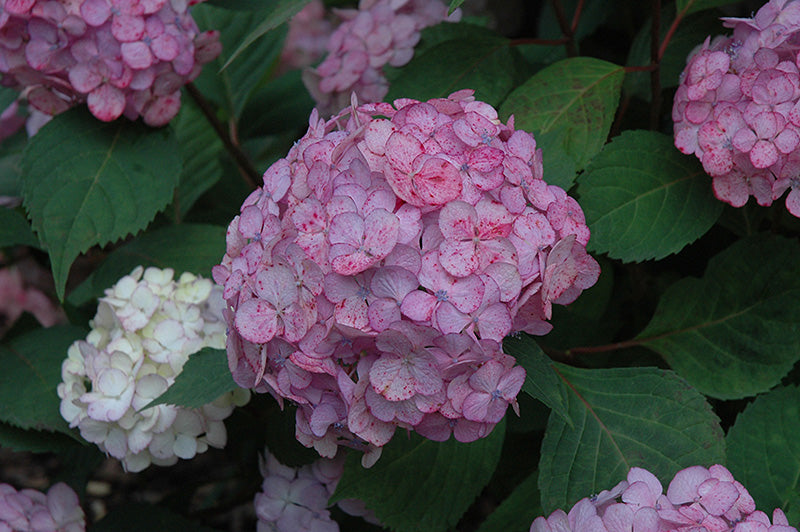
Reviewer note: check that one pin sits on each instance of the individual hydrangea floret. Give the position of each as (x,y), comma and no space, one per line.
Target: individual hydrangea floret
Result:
(698,499)
(373,277)
(378,33)
(126,57)
(297,498)
(29,510)
(737,108)
(145,329)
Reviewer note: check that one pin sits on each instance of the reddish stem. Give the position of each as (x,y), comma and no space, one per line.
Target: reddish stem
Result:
(655,60)
(566,29)
(576,17)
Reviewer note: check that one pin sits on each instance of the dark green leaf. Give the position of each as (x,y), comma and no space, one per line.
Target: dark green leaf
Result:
(87,182)
(137,516)
(35,441)
(541,381)
(279,12)
(764,451)
(284,104)
(10,156)
(624,417)
(569,107)
(232,87)
(31,372)
(482,62)
(239,5)
(201,150)
(184,248)
(518,511)
(684,7)
(644,200)
(418,484)
(15,229)
(733,333)
(7,97)
(204,377)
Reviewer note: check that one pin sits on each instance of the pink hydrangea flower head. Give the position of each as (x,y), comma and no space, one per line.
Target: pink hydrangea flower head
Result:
(737,107)
(27,510)
(146,328)
(371,280)
(118,56)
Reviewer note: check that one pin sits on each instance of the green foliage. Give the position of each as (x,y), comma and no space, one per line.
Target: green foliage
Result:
(518,510)
(684,7)
(36,441)
(31,372)
(454,4)
(644,200)
(138,516)
(85,183)
(764,450)
(15,229)
(482,62)
(622,418)
(192,248)
(541,381)
(569,107)
(419,484)
(733,333)
(204,378)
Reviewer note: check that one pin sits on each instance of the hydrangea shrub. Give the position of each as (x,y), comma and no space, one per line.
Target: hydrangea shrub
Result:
(393,270)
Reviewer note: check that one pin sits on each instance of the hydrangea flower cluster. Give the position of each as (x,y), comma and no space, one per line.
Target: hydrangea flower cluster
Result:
(297,498)
(145,329)
(120,56)
(307,39)
(697,500)
(17,296)
(737,107)
(33,511)
(378,33)
(374,276)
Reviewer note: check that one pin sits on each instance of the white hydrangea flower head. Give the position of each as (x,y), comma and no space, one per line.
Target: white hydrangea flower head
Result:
(146,328)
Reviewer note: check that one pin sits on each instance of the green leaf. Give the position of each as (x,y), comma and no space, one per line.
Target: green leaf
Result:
(10,156)
(518,510)
(192,248)
(35,441)
(280,12)
(541,381)
(419,484)
(733,333)
(200,149)
(239,5)
(569,107)
(624,417)
(482,62)
(684,7)
(644,200)
(454,4)
(87,182)
(15,229)
(204,377)
(137,516)
(283,105)
(764,450)
(31,372)
(232,87)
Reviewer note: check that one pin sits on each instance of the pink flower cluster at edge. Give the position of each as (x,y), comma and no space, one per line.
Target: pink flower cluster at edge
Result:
(32,511)
(297,498)
(697,500)
(380,32)
(307,39)
(126,57)
(373,277)
(738,107)
(16,297)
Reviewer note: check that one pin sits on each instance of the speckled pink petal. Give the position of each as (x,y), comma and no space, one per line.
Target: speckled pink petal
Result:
(136,54)
(18,7)
(95,12)
(256,321)
(127,28)
(106,102)
(764,154)
(162,109)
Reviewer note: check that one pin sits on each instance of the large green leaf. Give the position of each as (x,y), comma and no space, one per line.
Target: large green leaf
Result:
(204,377)
(192,248)
(569,107)
(541,381)
(734,332)
(624,417)
(232,87)
(15,229)
(35,441)
(31,372)
(645,200)
(482,62)
(684,7)
(87,182)
(764,450)
(138,516)
(279,11)
(418,484)
(518,510)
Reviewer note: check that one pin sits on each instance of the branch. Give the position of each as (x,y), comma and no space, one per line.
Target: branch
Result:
(566,29)
(655,60)
(249,173)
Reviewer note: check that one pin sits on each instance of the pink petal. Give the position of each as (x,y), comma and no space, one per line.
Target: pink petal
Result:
(106,102)
(256,321)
